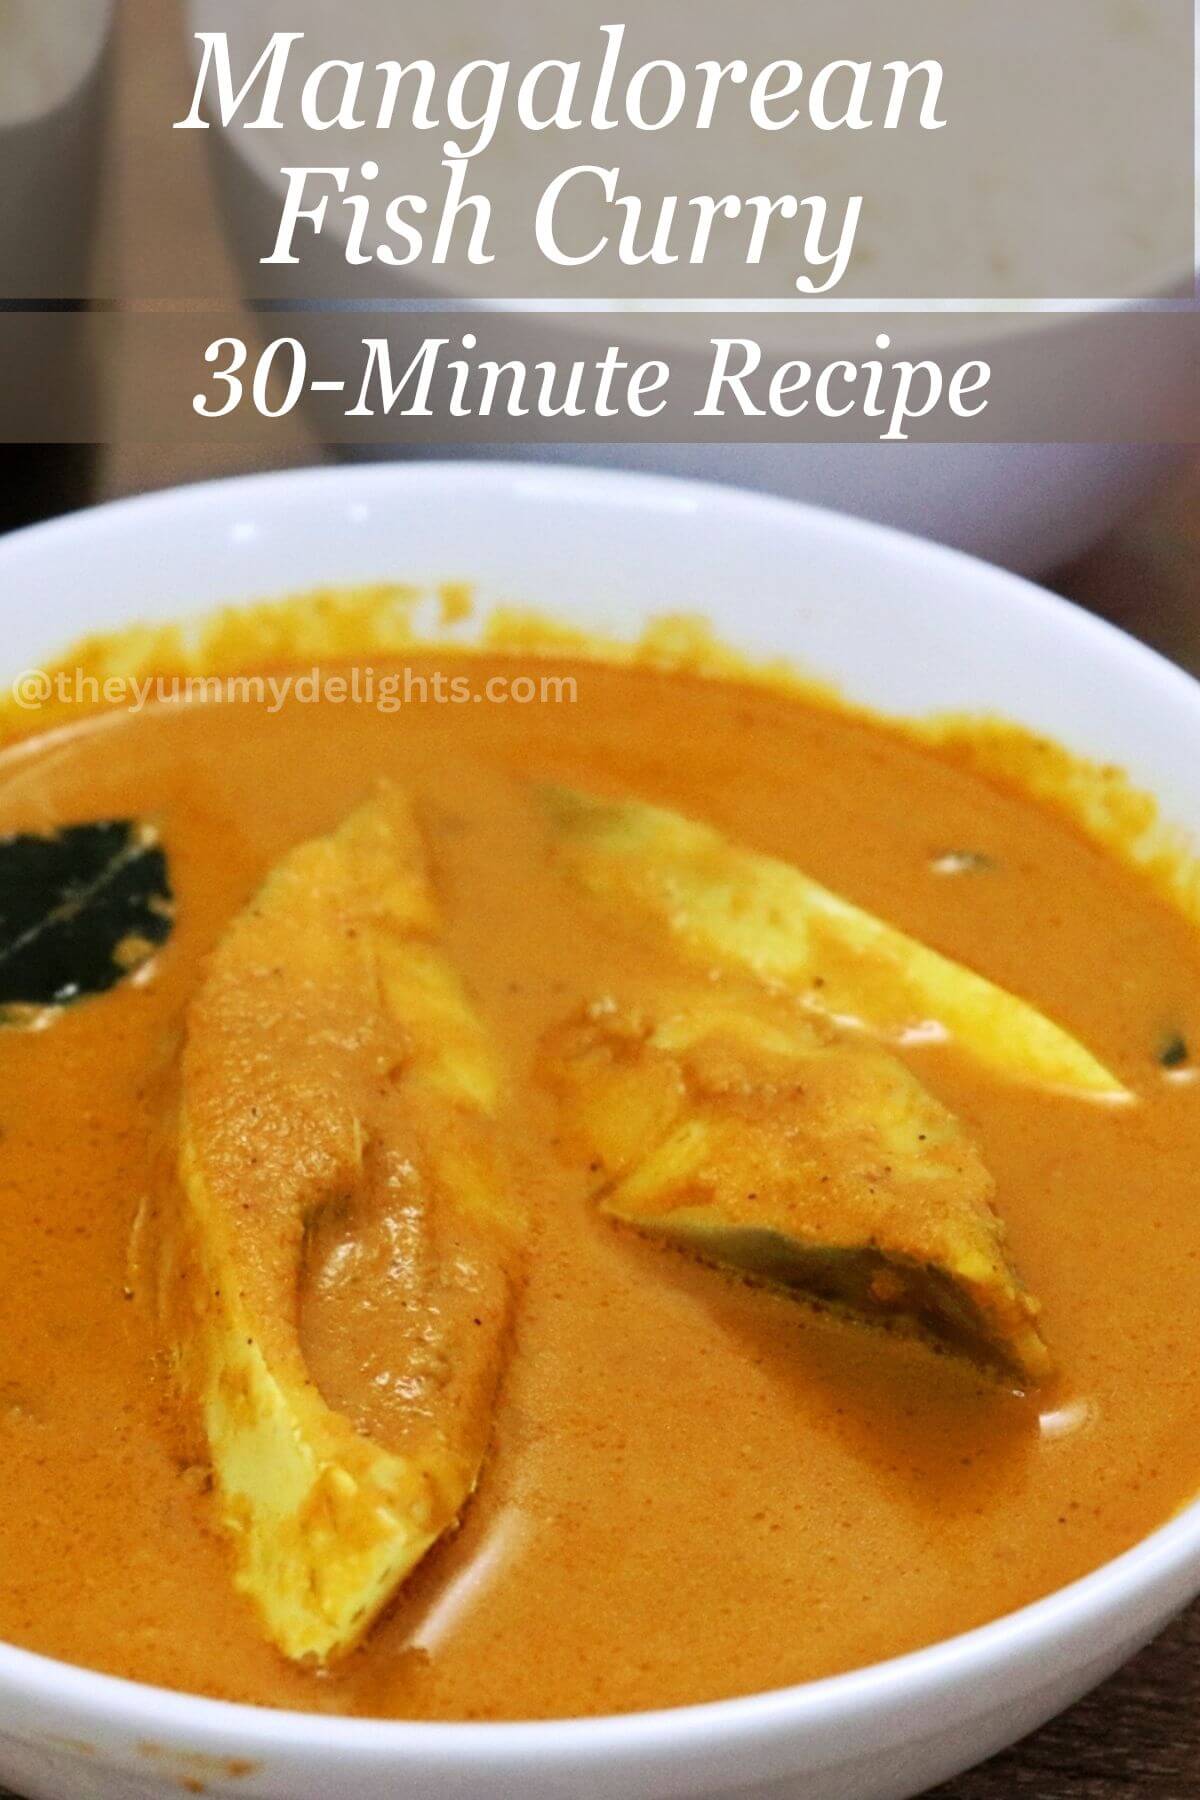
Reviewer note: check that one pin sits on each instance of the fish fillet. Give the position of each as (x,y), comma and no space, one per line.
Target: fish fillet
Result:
(336,1103)
(724,903)
(812,1160)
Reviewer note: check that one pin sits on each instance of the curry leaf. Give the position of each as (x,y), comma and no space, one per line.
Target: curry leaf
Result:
(80,909)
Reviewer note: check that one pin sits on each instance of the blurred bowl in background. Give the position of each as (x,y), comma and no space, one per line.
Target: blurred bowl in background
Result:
(1027,505)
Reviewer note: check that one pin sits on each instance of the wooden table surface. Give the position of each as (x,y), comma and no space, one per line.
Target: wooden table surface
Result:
(1138,1737)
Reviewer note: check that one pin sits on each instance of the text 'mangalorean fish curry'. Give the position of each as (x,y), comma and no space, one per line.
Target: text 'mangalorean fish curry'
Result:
(521,1210)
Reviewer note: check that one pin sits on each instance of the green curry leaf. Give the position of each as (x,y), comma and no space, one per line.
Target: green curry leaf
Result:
(80,910)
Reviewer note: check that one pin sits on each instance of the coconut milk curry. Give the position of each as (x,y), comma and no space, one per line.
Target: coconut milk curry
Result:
(536,1232)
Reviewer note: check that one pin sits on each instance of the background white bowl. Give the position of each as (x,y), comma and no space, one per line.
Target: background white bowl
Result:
(897,623)
(1028,506)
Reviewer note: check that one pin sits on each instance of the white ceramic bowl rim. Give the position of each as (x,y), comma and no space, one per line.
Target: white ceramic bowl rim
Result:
(1072,1614)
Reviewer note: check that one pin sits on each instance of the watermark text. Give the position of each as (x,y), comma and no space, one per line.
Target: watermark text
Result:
(387,690)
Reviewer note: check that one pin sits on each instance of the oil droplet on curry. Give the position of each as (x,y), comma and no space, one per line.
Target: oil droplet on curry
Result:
(592,1207)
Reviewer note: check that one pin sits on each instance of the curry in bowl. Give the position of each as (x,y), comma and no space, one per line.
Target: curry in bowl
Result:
(670,1190)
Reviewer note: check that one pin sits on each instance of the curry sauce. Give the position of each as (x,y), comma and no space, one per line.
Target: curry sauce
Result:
(695,1486)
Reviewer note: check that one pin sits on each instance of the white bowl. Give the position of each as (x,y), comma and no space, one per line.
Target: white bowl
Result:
(896,622)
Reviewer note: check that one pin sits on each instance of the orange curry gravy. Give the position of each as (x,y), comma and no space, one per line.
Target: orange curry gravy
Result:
(696,1488)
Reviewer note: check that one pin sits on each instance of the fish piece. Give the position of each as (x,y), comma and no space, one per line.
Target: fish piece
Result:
(723,903)
(336,1152)
(806,1158)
